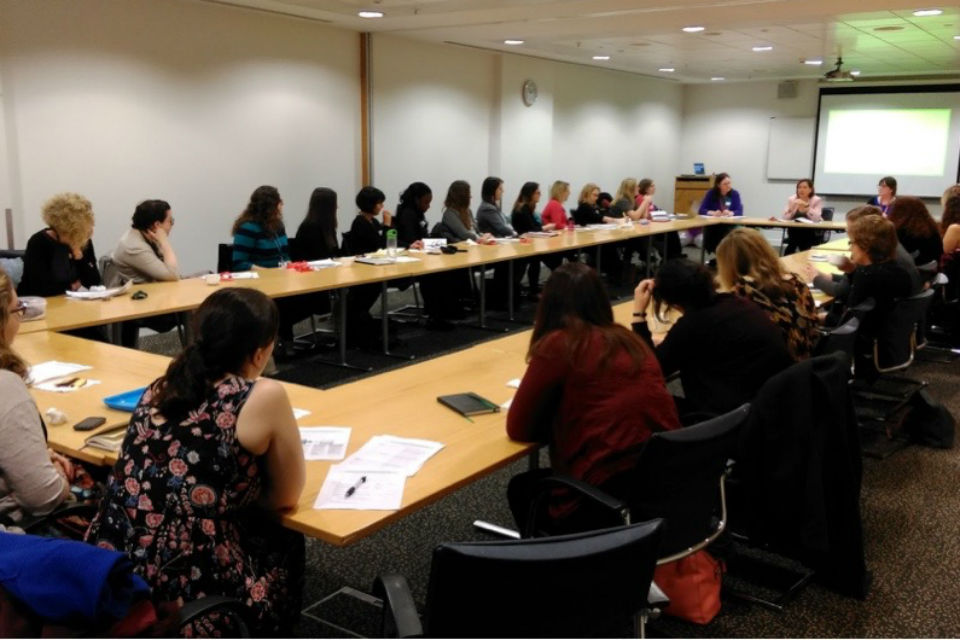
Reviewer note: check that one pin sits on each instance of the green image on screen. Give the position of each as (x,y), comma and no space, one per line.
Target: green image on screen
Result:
(900,142)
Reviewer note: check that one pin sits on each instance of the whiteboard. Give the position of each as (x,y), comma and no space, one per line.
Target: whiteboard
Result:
(790,148)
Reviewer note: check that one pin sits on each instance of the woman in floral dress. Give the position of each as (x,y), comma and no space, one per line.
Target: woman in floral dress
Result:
(211,454)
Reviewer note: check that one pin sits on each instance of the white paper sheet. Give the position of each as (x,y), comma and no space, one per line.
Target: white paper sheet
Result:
(514,384)
(300,413)
(54,369)
(506,405)
(51,385)
(377,491)
(242,275)
(100,292)
(324,443)
(391,454)
(323,264)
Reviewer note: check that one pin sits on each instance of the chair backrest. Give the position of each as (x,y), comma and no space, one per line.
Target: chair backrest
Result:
(578,585)
(346,247)
(224,258)
(842,338)
(294,250)
(108,271)
(827,213)
(894,344)
(677,478)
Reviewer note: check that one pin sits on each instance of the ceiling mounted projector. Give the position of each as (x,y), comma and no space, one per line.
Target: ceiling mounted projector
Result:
(837,74)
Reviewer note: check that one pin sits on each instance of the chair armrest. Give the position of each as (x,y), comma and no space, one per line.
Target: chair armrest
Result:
(197,608)
(544,486)
(400,617)
(867,305)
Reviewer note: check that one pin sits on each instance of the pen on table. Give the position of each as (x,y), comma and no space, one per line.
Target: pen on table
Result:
(352,490)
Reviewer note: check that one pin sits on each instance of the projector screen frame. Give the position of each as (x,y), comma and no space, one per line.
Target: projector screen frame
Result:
(875,89)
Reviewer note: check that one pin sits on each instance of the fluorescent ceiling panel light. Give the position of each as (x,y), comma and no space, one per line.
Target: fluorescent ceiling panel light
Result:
(765,47)
(693,29)
(924,13)
(601,57)
(370,14)
(513,43)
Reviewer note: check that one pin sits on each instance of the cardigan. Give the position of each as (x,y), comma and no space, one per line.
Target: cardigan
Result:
(254,245)
(411,225)
(724,352)
(490,219)
(455,230)
(731,202)
(524,221)
(367,236)
(814,208)
(49,269)
(586,214)
(594,418)
(555,214)
(137,259)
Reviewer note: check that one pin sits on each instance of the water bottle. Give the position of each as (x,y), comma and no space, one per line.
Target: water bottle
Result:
(392,243)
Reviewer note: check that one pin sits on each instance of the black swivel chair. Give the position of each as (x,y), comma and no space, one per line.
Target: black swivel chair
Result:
(842,338)
(823,235)
(224,258)
(591,584)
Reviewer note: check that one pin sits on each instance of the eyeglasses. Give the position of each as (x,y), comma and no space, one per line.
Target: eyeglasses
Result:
(19,310)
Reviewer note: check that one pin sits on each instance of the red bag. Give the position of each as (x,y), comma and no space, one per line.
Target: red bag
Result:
(693,586)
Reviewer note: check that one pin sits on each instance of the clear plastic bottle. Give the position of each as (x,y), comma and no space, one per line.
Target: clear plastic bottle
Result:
(392,243)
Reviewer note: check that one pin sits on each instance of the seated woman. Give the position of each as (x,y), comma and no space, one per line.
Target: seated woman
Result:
(211,456)
(367,235)
(33,479)
(748,266)
(316,237)
(587,213)
(916,229)
(886,194)
(457,223)
(524,219)
(592,390)
(625,206)
(723,346)
(260,239)
(491,220)
(950,228)
(667,243)
(442,291)
(873,247)
(838,285)
(805,204)
(144,254)
(60,258)
(721,201)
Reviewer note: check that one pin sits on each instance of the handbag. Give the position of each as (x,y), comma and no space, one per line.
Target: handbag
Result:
(693,585)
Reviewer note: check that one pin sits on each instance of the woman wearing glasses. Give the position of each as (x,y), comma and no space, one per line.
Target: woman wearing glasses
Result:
(33,479)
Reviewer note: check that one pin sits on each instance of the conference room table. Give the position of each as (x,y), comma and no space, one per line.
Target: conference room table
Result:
(404,405)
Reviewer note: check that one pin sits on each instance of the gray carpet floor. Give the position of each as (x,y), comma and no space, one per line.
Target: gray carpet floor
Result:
(911,514)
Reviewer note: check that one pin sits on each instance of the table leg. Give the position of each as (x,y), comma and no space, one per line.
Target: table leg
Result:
(649,253)
(483,296)
(385,324)
(510,292)
(342,338)
(783,238)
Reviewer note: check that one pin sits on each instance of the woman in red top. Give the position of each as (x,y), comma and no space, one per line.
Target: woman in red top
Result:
(593,390)
(554,216)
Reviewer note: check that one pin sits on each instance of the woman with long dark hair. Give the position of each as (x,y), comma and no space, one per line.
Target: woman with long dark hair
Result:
(316,237)
(723,346)
(211,455)
(916,229)
(593,390)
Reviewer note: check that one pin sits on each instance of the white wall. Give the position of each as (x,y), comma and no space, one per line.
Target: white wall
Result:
(191,102)
(442,113)
(726,126)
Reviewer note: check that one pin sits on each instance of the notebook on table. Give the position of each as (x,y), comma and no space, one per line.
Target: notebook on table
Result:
(468,404)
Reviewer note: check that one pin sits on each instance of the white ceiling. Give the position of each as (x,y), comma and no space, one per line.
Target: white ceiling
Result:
(882,39)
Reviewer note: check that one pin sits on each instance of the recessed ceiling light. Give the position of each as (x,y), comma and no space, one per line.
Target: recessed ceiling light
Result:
(765,47)
(923,13)
(813,61)
(717,78)
(956,37)
(513,43)
(370,14)
(666,69)
(601,57)
(693,29)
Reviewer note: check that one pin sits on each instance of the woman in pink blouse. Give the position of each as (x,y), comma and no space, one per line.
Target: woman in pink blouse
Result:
(803,204)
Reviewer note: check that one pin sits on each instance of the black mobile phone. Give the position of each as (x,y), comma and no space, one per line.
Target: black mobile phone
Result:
(89,423)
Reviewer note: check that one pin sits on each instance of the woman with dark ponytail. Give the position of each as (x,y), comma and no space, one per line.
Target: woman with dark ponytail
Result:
(210,446)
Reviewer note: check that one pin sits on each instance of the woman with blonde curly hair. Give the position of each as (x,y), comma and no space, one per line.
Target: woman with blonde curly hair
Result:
(748,266)
(60,257)
(33,479)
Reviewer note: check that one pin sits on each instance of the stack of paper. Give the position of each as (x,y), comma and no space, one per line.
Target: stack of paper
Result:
(53,370)
(375,475)
(324,443)
(100,292)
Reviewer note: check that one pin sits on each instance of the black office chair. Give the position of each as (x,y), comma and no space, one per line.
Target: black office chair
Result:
(591,584)
(842,339)
(823,235)
(224,258)
(680,477)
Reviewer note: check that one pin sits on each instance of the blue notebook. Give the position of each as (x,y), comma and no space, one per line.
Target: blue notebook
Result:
(126,401)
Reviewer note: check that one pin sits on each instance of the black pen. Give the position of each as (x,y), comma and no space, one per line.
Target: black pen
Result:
(352,490)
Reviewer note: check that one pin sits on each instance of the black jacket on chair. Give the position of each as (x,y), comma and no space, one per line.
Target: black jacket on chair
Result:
(799,469)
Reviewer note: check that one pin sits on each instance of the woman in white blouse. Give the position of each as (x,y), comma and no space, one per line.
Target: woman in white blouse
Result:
(803,204)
